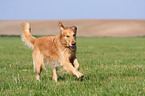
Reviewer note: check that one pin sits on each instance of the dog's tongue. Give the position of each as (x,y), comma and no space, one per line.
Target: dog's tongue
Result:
(73,46)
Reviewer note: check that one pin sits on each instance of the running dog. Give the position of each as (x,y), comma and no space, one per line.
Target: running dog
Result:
(58,50)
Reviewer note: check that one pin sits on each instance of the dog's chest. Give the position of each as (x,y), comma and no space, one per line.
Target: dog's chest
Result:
(68,54)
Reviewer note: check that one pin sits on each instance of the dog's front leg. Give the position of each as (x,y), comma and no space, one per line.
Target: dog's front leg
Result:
(76,64)
(67,65)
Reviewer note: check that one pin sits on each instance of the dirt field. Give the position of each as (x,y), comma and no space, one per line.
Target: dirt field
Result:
(86,28)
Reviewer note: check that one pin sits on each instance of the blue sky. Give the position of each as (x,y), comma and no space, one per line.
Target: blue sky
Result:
(71,9)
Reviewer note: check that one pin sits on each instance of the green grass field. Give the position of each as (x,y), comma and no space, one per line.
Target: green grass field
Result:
(111,67)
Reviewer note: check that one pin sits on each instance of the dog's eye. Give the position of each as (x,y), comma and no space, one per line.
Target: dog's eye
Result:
(67,36)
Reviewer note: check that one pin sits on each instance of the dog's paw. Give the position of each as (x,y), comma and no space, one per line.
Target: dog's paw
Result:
(80,75)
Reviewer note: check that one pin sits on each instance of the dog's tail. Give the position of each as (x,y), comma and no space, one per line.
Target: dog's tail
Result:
(26,36)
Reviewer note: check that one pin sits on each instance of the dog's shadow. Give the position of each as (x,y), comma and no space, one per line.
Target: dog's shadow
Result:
(64,78)
(61,78)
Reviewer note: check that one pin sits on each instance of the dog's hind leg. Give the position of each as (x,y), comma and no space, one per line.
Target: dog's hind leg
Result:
(38,61)
(54,74)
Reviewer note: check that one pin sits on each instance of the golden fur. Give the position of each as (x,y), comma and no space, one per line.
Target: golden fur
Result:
(58,50)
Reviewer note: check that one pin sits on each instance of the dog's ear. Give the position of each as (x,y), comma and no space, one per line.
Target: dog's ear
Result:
(74,28)
(61,25)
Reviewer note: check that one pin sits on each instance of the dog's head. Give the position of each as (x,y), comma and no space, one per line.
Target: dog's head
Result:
(68,35)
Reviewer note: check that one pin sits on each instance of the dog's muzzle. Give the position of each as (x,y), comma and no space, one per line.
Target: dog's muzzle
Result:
(73,46)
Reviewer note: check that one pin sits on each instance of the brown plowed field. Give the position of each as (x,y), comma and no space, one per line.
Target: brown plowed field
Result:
(86,28)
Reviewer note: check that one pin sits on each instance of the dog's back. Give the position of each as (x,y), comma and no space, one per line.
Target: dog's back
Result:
(49,47)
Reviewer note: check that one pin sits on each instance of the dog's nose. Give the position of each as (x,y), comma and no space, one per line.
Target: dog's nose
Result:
(73,43)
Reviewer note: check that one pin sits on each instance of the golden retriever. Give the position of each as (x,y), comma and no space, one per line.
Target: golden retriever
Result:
(58,50)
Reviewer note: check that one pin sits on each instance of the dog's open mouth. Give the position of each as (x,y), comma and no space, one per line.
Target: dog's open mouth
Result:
(72,47)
